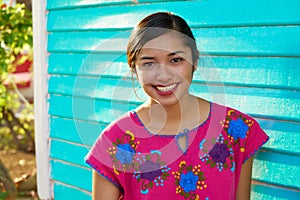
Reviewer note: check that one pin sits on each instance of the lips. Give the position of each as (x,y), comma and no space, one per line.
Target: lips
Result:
(166,90)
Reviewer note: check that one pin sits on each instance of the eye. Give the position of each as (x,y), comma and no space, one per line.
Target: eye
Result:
(176,60)
(148,64)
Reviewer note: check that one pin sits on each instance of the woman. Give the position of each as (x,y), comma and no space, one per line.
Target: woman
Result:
(175,145)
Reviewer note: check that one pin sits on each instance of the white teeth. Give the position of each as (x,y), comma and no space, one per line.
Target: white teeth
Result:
(166,88)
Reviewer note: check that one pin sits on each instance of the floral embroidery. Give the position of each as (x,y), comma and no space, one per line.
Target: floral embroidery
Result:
(123,152)
(220,155)
(236,126)
(237,129)
(188,180)
(150,170)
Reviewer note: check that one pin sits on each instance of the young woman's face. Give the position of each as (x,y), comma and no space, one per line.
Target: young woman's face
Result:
(164,68)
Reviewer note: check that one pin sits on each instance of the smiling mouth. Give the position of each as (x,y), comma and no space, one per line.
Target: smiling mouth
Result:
(163,90)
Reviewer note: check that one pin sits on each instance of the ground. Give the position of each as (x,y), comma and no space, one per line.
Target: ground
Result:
(19,164)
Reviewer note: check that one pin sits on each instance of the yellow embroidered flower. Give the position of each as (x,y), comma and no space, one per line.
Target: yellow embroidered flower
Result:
(130,133)
(182,163)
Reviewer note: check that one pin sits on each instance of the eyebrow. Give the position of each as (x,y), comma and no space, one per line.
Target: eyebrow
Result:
(170,54)
(176,52)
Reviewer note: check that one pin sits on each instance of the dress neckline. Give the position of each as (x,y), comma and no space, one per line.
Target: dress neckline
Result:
(139,122)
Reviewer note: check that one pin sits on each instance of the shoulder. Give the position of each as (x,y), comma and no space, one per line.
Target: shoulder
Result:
(229,113)
(234,123)
(241,129)
(119,126)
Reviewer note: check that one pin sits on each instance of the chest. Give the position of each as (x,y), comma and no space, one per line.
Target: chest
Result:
(181,167)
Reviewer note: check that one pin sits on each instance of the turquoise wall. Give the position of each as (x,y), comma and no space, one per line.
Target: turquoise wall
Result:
(250,61)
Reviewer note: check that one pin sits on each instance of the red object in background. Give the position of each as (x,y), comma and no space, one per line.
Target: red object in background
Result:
(22,75)
(3,5)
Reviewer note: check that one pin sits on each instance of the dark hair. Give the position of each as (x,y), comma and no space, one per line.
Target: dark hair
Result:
(154,26)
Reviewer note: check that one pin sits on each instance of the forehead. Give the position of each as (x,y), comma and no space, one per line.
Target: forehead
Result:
(168,42)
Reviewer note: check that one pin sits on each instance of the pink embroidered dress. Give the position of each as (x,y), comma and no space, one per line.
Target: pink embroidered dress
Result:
(144,165)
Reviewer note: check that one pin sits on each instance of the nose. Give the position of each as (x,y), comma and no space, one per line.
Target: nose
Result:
(164,73)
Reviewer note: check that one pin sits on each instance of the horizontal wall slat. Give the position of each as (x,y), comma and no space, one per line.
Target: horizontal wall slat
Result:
(71,174)
(216,41)
(72,152)
(270,103)
(284,136)
(62,191)
(268,12)
(267,192)
(87,109)
(85,132)
(255,71)
(276,168)
(88,64)
(59,4)
(263,170)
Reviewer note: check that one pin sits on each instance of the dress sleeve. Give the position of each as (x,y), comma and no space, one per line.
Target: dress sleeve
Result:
(256,138)
(99,158)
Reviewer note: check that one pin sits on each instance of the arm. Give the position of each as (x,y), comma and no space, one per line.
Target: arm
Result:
(244,187)
(104,189)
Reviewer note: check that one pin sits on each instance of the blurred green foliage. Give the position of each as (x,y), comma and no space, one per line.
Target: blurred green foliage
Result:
(16,113)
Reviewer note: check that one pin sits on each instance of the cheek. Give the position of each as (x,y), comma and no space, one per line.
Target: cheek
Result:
(145,77)
(186,73)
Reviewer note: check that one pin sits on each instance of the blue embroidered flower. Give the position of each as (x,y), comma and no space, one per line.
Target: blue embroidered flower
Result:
(237,129)
(125,153)
(150,170)
(219,153)
(188,181)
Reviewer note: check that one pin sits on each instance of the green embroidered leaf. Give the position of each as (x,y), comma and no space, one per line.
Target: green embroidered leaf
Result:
(118,141)
(230,158)
(166,174)
(225,165)
(150,184)
(208,162)
(212,165)
(186,195)
(177,182)
(190,168)
(148,157)
(201,177)
(115,144)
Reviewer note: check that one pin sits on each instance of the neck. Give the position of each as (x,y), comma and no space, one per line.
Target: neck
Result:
(178,116)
